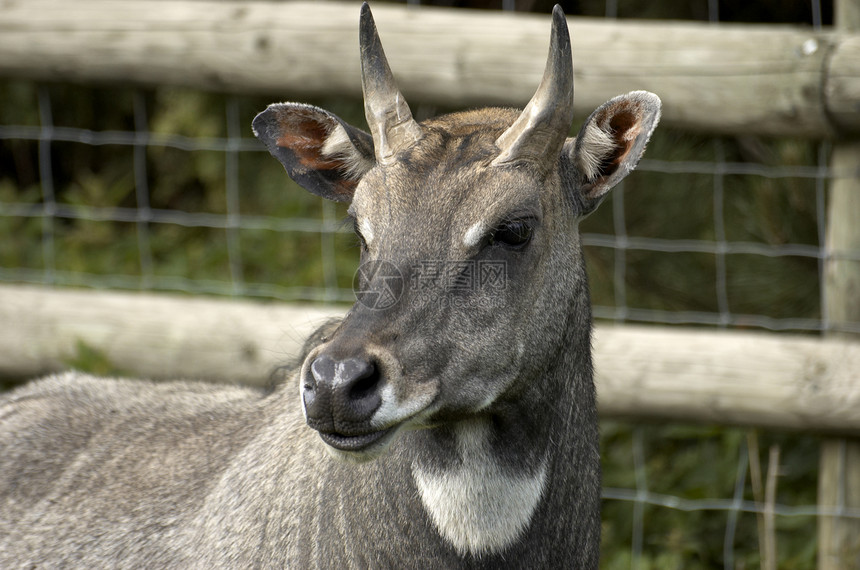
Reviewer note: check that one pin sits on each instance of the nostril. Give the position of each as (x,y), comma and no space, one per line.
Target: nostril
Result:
(309,385)
(315,391)
(365,384)
(309,393)
(360,394)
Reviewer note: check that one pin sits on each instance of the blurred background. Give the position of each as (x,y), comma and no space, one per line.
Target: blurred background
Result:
(116,183)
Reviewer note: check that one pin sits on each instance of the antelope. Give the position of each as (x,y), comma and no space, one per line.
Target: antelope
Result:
(448,420)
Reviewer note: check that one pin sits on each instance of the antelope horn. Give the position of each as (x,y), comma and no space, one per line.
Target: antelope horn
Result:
(539,132)
(388,116)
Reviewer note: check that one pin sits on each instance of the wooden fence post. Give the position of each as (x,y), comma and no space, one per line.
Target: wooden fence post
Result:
(839,468)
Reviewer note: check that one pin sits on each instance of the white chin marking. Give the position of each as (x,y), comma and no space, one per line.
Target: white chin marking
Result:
(392,412)
(478,506)
(486,403)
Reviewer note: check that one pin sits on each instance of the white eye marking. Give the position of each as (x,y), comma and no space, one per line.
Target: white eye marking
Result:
(473,235)
(366,230)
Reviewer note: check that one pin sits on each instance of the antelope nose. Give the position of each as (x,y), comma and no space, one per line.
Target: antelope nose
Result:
(341,395)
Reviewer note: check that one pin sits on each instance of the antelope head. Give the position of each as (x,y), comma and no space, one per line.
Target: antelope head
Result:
(472,291)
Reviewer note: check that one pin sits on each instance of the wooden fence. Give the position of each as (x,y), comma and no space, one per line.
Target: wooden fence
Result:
(722,79)
(726,78)
(643,372)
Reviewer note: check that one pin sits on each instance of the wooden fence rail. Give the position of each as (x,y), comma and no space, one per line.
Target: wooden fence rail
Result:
(650,373)
(769,80)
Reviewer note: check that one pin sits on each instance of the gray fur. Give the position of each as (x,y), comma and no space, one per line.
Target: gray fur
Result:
(454,429)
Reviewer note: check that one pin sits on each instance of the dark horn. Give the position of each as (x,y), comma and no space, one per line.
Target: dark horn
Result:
(388,116)
(539,132)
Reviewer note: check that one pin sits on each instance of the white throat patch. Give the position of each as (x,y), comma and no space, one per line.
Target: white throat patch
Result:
(477,506)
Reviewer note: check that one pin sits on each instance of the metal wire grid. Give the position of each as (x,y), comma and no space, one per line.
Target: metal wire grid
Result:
(733,507)
(235,143)
(719,247)
(143,215)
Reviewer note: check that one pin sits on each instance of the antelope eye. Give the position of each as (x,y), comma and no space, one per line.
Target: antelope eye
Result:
(513,234)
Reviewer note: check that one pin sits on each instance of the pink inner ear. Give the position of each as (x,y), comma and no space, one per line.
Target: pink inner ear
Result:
(622,122)
(624,125)
(305,137)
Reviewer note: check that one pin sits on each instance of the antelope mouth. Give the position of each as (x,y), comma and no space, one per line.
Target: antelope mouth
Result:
(359,442)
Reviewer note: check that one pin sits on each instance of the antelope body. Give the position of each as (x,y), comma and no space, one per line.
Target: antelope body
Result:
(453,427)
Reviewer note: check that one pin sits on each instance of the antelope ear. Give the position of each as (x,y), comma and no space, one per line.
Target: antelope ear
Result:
(320,152)
(610,144)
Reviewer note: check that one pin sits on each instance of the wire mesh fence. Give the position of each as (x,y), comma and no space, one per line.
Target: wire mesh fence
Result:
(723,232)
(50,208)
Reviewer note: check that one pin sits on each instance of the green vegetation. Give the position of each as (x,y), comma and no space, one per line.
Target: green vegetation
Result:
(91,181)
(701,464)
